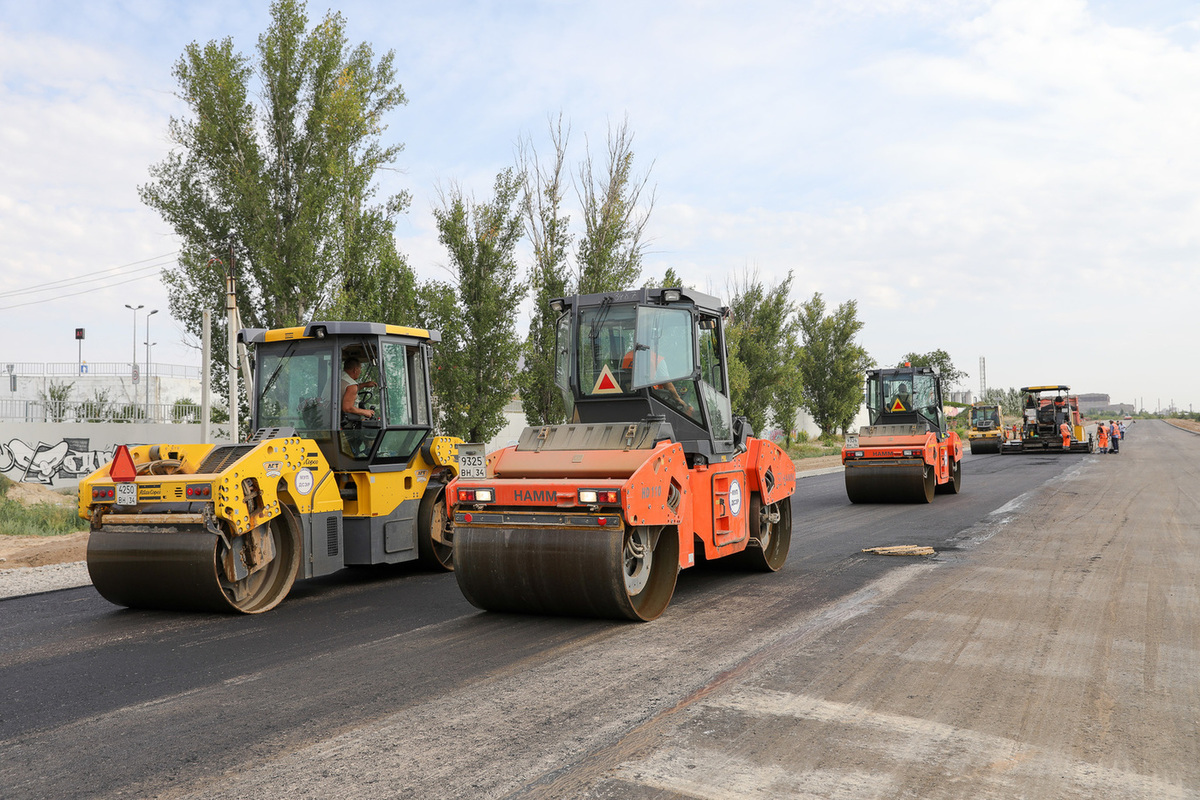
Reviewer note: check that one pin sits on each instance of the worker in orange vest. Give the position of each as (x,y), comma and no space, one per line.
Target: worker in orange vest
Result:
(1114,436)
(1102,437)
(1065,430)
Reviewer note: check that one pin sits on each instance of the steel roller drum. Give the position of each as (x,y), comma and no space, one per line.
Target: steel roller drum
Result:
(176,571)
(566,571)
(179,571)
(893,482)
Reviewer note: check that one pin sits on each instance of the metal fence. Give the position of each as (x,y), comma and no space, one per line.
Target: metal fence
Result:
(90,411)
(116,368)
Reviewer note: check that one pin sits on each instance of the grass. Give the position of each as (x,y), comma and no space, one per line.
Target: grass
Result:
(814,449)
(37,520)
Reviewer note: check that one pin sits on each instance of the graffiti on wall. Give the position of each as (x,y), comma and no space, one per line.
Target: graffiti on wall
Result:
(68,460)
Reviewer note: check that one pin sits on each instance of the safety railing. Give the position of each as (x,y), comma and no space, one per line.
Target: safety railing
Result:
(89,411)
(58,369)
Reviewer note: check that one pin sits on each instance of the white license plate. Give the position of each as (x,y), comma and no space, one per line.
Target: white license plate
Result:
(472,463)
(851,440)
(127,494)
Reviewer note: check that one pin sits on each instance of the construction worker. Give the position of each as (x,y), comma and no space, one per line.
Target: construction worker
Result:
(1102,438)
(1114,435)
(1065,430)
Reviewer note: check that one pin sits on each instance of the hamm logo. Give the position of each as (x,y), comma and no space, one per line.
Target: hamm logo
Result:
(535,495)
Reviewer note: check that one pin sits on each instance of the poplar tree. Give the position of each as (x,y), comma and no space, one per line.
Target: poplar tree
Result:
(477,359)
(271,174)
(832,366)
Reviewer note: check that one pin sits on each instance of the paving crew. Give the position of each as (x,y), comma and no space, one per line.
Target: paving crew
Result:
(1114,433)
(1065,429)
(1102,438)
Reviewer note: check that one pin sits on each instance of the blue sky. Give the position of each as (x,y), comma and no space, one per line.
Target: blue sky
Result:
(1015,180)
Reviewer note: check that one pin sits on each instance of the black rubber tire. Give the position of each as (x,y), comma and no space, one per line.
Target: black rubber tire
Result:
(771,535)
(954,485)
(433,513)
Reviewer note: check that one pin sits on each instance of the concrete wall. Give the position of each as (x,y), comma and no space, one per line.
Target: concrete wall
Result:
(59,454)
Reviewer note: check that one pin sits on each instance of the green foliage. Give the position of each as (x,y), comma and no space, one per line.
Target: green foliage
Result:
(41,519)
(55,399)
(763,342)
(831,365)
(186,410)
(547,227)
(610,252)
(478,356)
(1009,400)
(669,280)
(939,360)
(272,167)
(98,407)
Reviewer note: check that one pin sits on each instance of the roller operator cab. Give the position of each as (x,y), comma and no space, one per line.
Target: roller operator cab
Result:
(1045,409)
(596,517)
(230,527)
(906,454)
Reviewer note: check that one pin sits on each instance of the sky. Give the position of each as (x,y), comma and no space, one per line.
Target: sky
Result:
(1013,180)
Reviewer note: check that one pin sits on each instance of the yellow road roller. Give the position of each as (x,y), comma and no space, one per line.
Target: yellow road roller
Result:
(987,432)
(343,469)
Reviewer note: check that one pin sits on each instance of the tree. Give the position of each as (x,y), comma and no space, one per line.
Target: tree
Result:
(610,252)
(479,350)
(940,361)
(285,183)
(668,280)
(764,331)
(1010,400)
(832,366)
(546,225)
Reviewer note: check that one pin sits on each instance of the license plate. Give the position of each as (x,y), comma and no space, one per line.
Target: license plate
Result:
(127,494)
(472,463)
(852,440)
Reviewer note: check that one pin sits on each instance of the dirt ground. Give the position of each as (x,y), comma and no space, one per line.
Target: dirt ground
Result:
(1186,424)
(38,551)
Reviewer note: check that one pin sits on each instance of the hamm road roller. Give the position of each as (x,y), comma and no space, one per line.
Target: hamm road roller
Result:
(343,470)
(598,516)
(1047,409)
(906,454)
(987,429)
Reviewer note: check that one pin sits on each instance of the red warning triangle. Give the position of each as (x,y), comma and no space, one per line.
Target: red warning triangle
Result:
(606,383)
(122,468)
(898,406)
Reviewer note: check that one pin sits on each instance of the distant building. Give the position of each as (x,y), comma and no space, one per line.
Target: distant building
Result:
(1098,405)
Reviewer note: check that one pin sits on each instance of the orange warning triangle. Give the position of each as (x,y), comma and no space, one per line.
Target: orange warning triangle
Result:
(122,468)
(897,406)
(606,383)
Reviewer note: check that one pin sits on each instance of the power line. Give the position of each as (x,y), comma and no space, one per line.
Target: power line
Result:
(93,277)
(72,294)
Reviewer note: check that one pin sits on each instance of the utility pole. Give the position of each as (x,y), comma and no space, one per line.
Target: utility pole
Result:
(982,377)
(148,346)
(231,350)
(135,369)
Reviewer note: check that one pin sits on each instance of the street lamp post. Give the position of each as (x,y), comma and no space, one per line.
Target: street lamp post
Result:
(148,346)
(134,365)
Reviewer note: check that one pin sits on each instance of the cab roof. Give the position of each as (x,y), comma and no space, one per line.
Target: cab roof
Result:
(319,330)
(700,300)
(1059,388)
